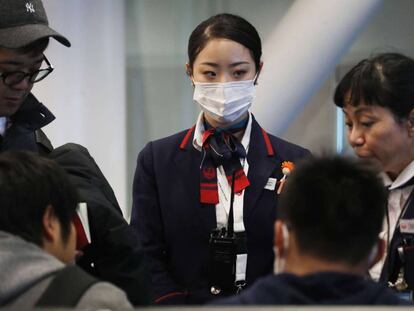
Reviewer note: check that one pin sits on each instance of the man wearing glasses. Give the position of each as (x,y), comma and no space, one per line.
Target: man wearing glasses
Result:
(110,252)
(24,35)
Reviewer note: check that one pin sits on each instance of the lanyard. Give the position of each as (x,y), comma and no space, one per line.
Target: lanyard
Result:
(403,211)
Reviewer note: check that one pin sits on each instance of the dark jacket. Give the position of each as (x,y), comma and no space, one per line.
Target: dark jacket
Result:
(27,271)
(328,288)
(113,254)
(25,131)
(394,262)
(174,228)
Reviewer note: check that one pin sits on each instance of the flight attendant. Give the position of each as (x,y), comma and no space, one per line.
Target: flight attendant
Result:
(182,189)
(377,98)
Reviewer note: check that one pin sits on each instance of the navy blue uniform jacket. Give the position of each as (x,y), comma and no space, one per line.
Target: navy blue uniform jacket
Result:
(393,262)
(323,288)
(174,228)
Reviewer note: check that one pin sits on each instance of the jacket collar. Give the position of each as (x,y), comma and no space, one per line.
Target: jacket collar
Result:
(23,264)
(255,132)
(33,114)
(262,160)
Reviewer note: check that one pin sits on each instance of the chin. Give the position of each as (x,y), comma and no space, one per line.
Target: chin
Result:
(9,110)
(374,162)
(364,156)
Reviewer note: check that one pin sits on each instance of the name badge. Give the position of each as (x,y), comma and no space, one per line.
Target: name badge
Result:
(271,184)
(407,225)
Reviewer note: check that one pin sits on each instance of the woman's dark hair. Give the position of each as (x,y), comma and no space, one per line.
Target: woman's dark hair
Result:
(225,26)
(28,185)
(386,80)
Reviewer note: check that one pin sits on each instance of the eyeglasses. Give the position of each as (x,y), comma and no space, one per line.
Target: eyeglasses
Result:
(15,77)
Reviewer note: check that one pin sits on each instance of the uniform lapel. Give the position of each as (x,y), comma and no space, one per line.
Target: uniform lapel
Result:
(188,161)
(261,166)
(396,241)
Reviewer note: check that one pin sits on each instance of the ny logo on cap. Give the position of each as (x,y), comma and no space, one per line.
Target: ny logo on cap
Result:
(29,7)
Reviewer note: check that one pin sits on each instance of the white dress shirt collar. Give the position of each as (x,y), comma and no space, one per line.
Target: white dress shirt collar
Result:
(199,131)
(401,179)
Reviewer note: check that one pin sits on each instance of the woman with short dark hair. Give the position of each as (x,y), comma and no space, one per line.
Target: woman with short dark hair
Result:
(377,97)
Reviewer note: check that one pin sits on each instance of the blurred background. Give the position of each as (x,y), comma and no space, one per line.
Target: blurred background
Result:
(123,81)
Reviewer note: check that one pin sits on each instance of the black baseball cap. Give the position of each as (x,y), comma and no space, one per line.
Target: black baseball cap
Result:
(23,22)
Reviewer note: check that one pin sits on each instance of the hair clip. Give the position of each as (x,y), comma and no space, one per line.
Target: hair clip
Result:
(287,168)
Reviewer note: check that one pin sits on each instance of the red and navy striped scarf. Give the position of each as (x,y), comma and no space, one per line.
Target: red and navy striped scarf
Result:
(221,147)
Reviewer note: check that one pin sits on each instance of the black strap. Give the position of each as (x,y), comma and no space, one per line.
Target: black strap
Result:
(230,221)
(392,264)
(66,288)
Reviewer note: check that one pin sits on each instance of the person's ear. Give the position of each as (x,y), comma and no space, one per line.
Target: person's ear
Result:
(281,238)
(260,67)
(259,70)
(189,73)
(377,253)
(187,69)
(50,229)
(410,123)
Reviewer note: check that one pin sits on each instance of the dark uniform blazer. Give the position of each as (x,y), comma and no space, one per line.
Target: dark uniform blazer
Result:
(173,226)
(321,288)
(397,260)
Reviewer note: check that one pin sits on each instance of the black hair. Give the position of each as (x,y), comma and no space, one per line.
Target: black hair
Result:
(335,207)
(225,26)
(386,80)
(28,184)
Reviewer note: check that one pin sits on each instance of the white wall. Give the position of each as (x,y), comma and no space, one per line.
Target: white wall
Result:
(86,91)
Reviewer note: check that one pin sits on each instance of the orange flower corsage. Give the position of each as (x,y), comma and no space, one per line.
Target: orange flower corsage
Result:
(287,168)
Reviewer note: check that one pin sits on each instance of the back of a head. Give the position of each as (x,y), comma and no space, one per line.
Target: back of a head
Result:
(335,207)
(28,184)
(386,80)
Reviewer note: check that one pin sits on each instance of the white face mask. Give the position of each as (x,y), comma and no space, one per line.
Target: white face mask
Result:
(224,102)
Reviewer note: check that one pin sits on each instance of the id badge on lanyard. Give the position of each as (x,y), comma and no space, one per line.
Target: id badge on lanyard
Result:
(404,283)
